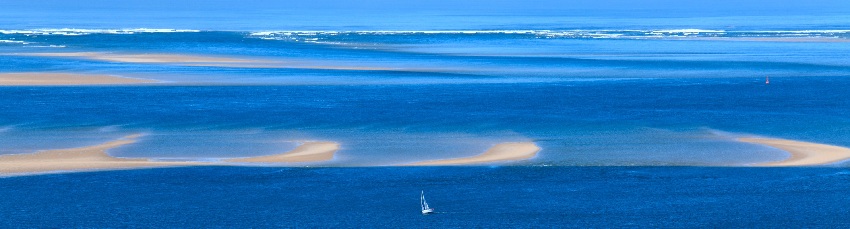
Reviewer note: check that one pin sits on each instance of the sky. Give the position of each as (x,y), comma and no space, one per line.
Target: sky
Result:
(837,6)
(377,14)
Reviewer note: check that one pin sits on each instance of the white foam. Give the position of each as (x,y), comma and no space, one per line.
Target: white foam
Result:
(800,31)
(389,32)
(14,42)
(261,33)
(565,32)
(315,36)
(688,31)
(46,46)
(75,32)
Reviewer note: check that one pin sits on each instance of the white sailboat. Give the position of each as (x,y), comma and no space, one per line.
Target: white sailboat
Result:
(425,208)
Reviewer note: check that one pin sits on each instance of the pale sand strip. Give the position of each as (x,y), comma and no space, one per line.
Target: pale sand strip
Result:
(208,61)
(802,153)
(37,78)
(88,158)
(175,59)
(502,152)
(145,58)
(307,152)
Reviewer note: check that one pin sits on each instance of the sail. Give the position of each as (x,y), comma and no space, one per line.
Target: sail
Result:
(422,202)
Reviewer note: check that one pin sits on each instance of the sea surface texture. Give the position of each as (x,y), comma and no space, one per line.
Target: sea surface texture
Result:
(636,111)
(513,197)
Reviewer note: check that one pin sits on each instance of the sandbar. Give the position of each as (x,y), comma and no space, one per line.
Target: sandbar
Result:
(802,153)
(89,158)
(502,152)
(46,79)
(205,61)
(95,158)
(306,152)
(144,58)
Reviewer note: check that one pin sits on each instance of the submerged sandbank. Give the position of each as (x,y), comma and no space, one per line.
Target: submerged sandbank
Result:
(307,152)
(802,153)
(88,158)
(502,152)
(45,79)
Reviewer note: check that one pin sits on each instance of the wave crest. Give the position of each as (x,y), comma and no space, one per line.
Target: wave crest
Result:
(312,36)
(75,32)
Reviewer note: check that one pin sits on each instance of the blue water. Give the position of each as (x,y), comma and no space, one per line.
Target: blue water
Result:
(424,15)
(574,121)
(524,197)
(634,105)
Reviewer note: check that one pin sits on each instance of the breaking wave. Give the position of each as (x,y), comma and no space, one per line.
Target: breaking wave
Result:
(76,32)
(313,36)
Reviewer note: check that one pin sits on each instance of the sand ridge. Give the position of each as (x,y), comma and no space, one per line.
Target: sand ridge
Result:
(95,158)
(147,58)
(306,152)
(802,153)
(502,152)
(205,61)
(44,79)
(87,158)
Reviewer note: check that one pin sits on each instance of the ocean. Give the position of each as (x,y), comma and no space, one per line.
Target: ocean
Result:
(510,196)
(636,110)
